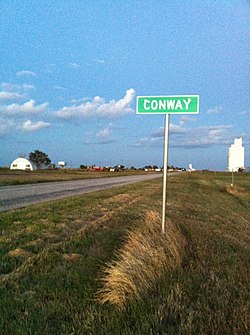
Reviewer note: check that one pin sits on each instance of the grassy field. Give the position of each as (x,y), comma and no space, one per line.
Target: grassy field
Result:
(56,258)
(8,177)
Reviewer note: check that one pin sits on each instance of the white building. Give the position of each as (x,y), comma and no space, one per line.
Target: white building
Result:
(62,164)
(190,168)
(236,156)
(21,164)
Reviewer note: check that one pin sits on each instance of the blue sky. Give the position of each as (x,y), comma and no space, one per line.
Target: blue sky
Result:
(71,71)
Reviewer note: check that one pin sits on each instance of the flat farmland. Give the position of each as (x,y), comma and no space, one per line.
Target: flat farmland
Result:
(60,261)
(8,177)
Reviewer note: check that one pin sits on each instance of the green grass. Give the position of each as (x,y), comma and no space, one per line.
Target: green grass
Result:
(52,257)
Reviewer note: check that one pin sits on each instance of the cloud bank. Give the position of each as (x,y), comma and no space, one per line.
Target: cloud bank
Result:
(28,107)
(26,73)
(29,126)
(5,95)
(12,113)
(183,137)
(99,108)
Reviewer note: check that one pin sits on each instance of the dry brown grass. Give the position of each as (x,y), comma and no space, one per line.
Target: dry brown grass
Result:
(19,253)
(238,192)
(145,257)
(235,190)
(71,257)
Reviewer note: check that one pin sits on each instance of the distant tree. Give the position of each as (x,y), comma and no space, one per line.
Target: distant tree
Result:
(119,167)
(83,167)
(39,158)
(148,167)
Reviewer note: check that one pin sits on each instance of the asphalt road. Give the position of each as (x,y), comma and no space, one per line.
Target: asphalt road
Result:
(12,197)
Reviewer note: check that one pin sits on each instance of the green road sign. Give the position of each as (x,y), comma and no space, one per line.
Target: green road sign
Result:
(182,104)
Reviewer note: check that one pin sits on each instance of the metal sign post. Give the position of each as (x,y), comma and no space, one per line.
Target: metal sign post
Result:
(181,104)
(165,173)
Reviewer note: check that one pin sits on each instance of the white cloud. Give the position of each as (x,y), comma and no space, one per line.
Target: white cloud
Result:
(215,110)
(148,142)
(61,88)
(102,142)
(6,126)
(74,65)
(106,132)
(29,126)
(203,136)
(26,73)
(185,119)
(99,108)
(9,125)
(173,129)
(176,129)
(10,87)
(99,61)
(27,87)
(5,95)
(49,68)
(27,107)
(78,101)
(189,137)
(244,112)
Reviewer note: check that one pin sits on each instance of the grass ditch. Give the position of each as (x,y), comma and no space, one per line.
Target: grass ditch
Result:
(143,260)
(53,255)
